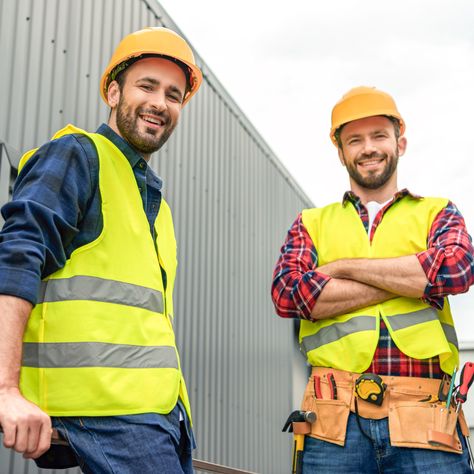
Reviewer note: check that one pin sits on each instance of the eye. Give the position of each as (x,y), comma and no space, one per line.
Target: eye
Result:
(146,87)
(353,141)
(174,97)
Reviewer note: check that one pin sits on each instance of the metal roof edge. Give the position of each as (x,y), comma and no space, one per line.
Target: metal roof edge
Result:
(214,82)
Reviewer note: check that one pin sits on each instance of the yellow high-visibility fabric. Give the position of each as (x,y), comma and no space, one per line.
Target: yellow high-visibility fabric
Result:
(125,258)
(348,341)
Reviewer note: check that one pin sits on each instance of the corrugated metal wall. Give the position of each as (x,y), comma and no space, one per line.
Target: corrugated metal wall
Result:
(232,203)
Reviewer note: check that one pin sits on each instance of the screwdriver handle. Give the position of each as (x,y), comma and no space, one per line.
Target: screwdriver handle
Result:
(465,381)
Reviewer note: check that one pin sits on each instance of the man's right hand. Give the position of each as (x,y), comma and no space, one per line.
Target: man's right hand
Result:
(27,428)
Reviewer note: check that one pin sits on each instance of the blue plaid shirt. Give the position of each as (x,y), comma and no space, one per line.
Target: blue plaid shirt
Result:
(55,209)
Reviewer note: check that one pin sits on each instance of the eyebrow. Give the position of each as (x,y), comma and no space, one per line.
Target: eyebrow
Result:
(155,82)
(355,134)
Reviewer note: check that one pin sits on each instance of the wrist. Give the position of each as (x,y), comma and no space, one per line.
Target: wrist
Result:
(330,269)
(9,389)
(9,380)
(340,268)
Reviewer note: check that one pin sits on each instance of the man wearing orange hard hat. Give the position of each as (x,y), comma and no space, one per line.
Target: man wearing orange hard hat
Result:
(88,257)
(369,279)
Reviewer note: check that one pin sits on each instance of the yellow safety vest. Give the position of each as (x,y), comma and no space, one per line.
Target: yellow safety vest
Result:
(348,342)
(100,341)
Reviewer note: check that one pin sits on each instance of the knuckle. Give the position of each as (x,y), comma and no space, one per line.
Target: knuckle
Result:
(11,420)
(19,448)
(45,419)
(29,419)
(8,443)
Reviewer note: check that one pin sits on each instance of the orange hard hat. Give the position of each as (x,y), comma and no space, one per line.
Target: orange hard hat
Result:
(153,40)
(361,102)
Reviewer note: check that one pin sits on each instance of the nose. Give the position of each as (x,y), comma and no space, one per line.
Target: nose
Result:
(158,101)
(369,147)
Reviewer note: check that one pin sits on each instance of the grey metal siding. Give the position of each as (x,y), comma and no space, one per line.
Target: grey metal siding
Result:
(232,203)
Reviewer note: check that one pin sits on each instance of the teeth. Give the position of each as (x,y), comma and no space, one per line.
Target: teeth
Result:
(152,120)
(368,163)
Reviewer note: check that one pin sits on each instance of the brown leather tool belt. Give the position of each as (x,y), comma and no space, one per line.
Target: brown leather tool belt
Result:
(416,416)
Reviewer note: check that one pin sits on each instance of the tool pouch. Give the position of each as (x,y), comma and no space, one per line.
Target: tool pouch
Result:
(331,415)
(423,425)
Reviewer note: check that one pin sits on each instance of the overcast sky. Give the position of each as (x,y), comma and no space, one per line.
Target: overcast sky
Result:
(287,63)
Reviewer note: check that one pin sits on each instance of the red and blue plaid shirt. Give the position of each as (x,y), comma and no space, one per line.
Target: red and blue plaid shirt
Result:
(448,263)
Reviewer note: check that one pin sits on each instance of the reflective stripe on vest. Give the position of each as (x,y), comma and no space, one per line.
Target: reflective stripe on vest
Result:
(97,354)
(100,289)
(402,321)
(450,334)
(336,331)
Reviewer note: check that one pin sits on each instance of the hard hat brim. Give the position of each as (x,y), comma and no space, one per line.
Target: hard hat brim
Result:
(195,74)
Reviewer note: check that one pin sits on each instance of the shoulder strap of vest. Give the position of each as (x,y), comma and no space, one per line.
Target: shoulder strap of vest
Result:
(308,215)
(67,130)
(437,201)
(164,215)
(312,212)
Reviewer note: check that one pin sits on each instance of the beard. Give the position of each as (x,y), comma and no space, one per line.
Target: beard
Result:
(374,179)
(150,140)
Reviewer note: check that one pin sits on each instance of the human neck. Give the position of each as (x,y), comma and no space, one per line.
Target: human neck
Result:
(380,195)
(112,123)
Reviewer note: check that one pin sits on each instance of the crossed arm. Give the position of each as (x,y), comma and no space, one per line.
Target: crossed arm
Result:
(356,283)
(302,289)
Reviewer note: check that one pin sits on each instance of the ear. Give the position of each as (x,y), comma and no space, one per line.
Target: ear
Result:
(113,94)
(402,146)
(341,156)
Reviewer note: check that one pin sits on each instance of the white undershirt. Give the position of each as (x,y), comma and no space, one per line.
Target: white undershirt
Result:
(373,208)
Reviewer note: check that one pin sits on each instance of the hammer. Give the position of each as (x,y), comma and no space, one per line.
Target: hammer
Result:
(299,422)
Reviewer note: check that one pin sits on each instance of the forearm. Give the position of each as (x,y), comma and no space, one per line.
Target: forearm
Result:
(402,276)
(51,199)
(296,282)
(26,428)
(448,261)
(340,296)
(14,314)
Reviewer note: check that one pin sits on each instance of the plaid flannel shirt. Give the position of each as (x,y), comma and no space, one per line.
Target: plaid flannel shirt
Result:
(448,264)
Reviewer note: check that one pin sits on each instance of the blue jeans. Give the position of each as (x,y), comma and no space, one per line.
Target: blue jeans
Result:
(360,455)
(146,443)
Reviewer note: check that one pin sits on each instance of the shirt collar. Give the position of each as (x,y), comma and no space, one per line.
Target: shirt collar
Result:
(129,152)
(350,196)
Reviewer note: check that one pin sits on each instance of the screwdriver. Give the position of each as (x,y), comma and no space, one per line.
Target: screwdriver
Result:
(465,381)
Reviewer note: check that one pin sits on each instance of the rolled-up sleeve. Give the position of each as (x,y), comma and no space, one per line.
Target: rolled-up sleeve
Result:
(449,260)
(49,199)
(296,284)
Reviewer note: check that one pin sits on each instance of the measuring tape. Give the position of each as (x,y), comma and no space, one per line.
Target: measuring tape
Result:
(370,387)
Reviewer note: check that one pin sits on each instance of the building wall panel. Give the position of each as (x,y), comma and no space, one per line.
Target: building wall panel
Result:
(232,203)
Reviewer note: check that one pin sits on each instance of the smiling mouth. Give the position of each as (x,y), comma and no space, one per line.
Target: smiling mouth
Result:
(155,122)
(370,163)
